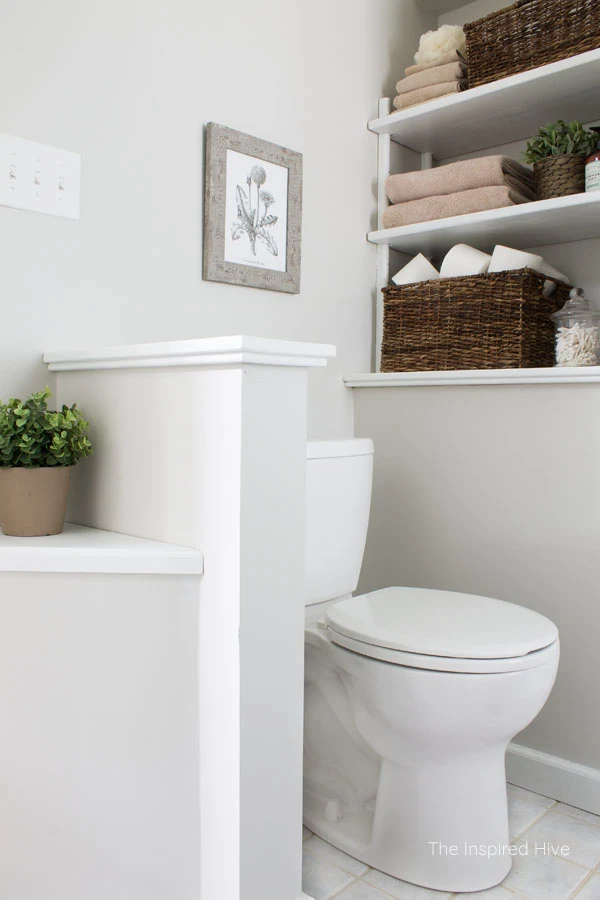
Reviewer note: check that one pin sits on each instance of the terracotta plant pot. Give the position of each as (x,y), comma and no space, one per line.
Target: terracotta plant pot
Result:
(559,176)
(33,502)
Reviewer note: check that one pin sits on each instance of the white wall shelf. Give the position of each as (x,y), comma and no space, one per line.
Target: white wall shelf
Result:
(554,221)
(467,377)
(90,550)
(494,114)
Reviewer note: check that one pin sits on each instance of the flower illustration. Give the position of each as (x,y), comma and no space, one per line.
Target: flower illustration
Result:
(255,222)
(258,175)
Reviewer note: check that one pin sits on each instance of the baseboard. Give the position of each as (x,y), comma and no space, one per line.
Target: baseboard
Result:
(554,777)
(304,897)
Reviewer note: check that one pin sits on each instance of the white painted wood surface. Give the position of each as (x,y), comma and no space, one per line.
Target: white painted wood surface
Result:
(556,221)
(558,375)
(507,110)
(229,350)
(91,550)
(99,741)
(211,453)
(383,249)
(554,777)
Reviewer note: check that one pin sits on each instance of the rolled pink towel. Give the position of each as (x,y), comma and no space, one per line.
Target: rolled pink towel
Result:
(445,205)
(461,176)
(422,95)
(450,57)
(437,75)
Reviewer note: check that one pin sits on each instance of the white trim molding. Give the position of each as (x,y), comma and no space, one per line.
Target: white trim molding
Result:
(218,351)
(467,377)
(238,446)
(554,777)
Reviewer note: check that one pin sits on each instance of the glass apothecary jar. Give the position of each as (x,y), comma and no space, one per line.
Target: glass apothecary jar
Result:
(577,332)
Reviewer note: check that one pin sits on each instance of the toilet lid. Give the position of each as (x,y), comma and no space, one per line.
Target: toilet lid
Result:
(441,623)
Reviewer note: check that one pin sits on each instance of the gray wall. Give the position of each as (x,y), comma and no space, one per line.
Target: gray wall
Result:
(495,491)
(129,84)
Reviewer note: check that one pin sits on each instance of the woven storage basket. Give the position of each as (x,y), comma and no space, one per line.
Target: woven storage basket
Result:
(528,34)
(497,321)
(559,176)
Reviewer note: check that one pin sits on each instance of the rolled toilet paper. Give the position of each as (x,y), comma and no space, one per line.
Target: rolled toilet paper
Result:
(551,272)
(550,286)
(463,259)
(418,269)
(504,259)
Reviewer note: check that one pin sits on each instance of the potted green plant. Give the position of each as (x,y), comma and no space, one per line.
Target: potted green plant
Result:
(38,448)
(557,153)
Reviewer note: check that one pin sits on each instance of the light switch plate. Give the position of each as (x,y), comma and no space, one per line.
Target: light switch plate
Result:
(39,178)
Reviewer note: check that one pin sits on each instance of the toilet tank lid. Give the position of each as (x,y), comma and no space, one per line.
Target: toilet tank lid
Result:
(335,449)
(442,623)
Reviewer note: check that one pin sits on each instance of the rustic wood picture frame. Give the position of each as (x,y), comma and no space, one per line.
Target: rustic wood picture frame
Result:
(220,139)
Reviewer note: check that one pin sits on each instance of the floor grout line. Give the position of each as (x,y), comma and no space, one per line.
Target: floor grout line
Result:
(314,855)
(533,822)
(350,883)
(383,890)
(563,812)
(572,861)
(580,887)
(588,873)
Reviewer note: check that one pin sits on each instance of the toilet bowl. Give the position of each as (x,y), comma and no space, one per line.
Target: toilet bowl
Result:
(411,698)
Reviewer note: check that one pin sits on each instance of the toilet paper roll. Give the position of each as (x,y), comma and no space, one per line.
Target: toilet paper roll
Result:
(551,272)
(550,286)
(418,269)
(506,258)
(464,260)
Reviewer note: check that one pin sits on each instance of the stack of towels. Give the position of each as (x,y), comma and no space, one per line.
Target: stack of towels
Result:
(463,187)
(446,75)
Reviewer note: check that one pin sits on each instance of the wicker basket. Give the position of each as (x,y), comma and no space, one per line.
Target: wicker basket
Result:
(494,321)
(528,34)
(559,176)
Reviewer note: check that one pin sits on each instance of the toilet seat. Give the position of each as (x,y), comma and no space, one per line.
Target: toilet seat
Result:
(442,630)
(445,663)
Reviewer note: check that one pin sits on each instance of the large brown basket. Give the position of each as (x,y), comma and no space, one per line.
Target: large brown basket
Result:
(493,321)
(528,34)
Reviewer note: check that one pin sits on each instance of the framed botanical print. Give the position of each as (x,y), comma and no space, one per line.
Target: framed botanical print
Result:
(252,211)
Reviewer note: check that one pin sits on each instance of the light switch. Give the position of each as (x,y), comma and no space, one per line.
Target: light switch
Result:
(39,178)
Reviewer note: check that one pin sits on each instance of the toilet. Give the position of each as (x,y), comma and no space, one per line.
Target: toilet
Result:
(411,698)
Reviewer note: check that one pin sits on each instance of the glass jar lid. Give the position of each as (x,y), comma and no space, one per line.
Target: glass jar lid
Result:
(577,306)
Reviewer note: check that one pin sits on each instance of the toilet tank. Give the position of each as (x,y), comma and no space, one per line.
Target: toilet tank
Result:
(339,476)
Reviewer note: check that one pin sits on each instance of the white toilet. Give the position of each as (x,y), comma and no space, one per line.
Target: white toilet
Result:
(411,697)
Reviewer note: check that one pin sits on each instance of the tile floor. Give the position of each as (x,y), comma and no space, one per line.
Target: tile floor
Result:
(328,873)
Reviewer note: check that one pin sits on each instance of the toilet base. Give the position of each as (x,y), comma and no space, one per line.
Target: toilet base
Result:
(352,836)
(466,847)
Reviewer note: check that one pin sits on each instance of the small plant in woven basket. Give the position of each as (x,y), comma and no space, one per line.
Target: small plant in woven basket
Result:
(557,153)
(38,448)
